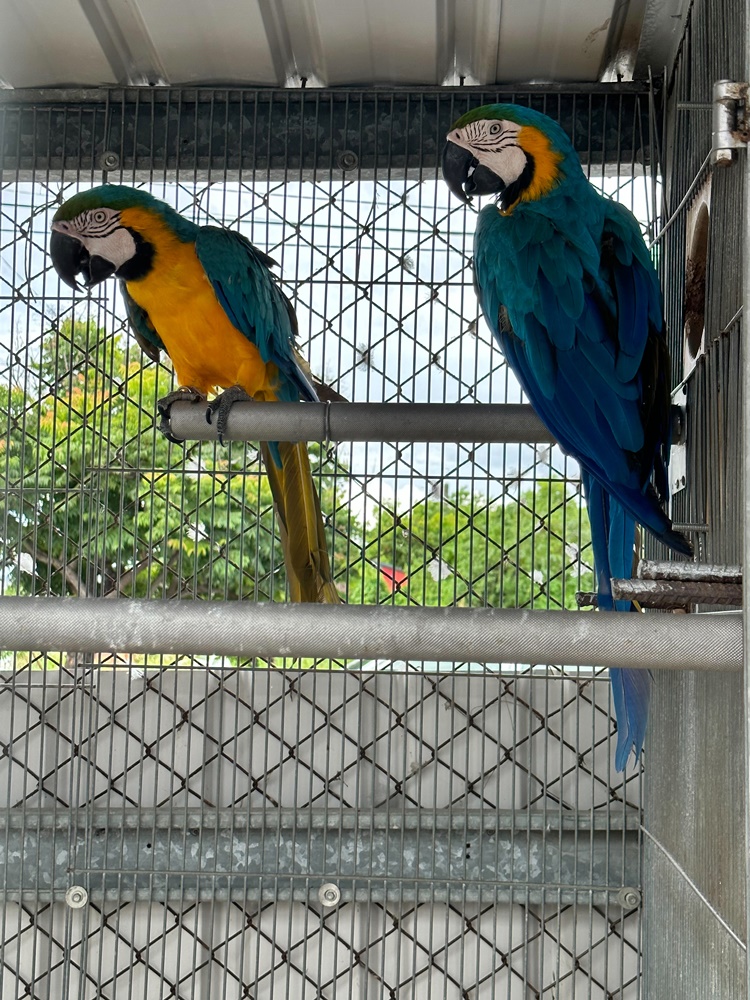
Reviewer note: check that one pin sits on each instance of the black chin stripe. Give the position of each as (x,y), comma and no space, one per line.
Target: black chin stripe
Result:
(513,191)
(141,262)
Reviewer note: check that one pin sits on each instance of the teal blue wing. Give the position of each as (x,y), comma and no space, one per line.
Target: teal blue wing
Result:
(641,355)
(240,276)
(146,336)
(580,323)
(582,330)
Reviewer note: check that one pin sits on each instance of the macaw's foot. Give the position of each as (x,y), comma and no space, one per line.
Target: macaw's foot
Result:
(185,394)
(221,406)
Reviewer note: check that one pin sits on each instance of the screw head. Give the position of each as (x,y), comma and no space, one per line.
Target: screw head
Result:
(109,160)
(629,898)
(76,897)
(329,894)
(347,159)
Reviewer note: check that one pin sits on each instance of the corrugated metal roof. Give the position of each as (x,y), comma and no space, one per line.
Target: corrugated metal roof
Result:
(49,43)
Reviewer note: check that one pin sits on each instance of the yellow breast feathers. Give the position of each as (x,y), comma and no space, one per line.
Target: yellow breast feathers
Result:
(206,349)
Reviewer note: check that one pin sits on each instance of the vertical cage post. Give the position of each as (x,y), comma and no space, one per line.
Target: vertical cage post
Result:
(746,505)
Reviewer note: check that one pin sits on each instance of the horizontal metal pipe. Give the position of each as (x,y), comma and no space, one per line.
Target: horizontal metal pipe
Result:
(454,422)
(677,593)
(705,572)
(484,635)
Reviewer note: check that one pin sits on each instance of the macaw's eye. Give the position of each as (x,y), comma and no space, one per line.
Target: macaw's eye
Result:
(100,215)
(496,128)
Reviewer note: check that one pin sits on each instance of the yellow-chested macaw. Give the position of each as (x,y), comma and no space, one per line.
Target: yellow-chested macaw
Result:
(567,286)
(206,296)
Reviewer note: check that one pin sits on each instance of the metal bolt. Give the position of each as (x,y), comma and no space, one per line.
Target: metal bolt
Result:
(329,894)
(109,160)
(629,898)
(347,159)
(76,897)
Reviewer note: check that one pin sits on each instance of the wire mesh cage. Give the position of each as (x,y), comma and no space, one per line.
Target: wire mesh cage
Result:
(697,896)
(204,826)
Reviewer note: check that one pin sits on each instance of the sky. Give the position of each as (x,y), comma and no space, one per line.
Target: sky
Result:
(380,279)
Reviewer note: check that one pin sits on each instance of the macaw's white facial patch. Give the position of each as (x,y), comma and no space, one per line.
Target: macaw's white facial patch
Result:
(99,230)
(494,144)
(118,247)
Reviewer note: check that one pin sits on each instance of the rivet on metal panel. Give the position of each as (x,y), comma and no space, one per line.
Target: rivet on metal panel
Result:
(629,898)
(109,160)
(329,894)
(76,897)
(347,159)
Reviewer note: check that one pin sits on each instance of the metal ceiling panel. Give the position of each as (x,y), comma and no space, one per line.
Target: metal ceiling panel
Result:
(477,37)
(49,43)
(553,42)
(328,42)
(385,42)
(224,41)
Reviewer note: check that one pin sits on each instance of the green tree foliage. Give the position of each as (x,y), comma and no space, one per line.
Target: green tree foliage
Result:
(95,501)
(527,552)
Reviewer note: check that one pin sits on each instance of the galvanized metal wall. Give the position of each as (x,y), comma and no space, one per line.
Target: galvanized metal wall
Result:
(695,859)
(467,814)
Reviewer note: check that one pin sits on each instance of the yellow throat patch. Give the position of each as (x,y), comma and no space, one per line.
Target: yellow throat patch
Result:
(546,163)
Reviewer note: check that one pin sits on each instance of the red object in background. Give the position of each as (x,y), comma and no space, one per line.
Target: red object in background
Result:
(393,577)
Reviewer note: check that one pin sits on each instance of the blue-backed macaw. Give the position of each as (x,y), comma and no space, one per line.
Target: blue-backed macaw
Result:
(206,296)
(567,286)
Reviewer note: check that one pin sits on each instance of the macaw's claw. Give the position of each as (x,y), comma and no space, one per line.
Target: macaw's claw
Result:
(185,394)
(221,405)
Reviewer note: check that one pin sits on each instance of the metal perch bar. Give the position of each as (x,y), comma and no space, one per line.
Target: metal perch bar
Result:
(676,593)
(439,422)
(485,635)
(668,594)
(689,571)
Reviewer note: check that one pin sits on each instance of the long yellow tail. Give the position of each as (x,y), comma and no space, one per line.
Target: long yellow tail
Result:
(301,524)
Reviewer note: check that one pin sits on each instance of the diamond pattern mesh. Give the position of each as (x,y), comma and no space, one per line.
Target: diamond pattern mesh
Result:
(245,741)
(115,767)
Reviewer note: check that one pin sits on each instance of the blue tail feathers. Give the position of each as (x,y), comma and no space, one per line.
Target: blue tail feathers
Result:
(613,538)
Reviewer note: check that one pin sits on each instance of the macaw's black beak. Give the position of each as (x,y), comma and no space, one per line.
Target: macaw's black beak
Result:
(465,176)
(71,258)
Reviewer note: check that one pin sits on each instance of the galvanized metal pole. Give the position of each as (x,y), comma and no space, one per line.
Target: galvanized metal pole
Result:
(440,422)
(484,635)
(745,390)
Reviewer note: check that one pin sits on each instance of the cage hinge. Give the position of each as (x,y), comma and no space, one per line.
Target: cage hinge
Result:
(730,124)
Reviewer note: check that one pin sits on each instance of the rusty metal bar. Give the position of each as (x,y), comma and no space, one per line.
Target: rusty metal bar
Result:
(677,594)
(689,571)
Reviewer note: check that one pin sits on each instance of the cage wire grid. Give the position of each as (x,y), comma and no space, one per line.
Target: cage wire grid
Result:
(467,814)
(698,896)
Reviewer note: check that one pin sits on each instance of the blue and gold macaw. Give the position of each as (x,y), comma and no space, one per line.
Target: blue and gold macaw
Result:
(567,286)
(206,296)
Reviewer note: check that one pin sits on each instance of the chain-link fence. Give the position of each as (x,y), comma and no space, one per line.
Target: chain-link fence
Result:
(464,818)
